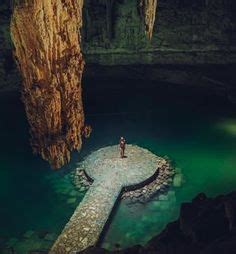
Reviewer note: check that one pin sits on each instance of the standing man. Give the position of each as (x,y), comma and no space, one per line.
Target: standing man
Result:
(122,147)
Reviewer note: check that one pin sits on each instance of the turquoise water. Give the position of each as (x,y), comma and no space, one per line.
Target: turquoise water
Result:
(195,128)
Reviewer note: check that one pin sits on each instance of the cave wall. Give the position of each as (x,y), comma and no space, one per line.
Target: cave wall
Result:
(185,32)
(9,75)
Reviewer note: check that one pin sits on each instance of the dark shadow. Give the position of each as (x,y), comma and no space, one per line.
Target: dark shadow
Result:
(115,208)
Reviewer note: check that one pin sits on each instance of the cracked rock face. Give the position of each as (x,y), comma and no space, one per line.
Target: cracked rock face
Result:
(46,37)
(148,11)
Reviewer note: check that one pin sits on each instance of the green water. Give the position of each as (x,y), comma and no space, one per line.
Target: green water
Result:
(195,128)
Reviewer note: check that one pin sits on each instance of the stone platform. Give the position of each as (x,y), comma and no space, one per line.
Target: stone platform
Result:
(139,165)
(111,175)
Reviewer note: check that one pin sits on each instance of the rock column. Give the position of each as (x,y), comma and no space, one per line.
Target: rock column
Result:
(47,38)
(148,11)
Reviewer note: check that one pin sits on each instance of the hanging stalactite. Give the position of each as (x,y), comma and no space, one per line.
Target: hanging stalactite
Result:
(46,37)
(148,12)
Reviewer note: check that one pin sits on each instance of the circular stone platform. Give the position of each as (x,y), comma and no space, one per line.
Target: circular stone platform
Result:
(146,191)
(137,167)
(141,193)
(111,175)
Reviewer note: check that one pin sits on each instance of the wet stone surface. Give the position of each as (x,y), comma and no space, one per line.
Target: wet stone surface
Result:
(159,183)
(110,175)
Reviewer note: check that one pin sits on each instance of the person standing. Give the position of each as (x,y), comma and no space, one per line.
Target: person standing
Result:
(122,144)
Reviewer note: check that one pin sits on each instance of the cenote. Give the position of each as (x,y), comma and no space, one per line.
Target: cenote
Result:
(194,127)
(78,75)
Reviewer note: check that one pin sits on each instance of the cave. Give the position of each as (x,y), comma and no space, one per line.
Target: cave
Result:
(118,126)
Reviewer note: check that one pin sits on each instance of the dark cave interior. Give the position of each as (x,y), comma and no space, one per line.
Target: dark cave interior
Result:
(174,95)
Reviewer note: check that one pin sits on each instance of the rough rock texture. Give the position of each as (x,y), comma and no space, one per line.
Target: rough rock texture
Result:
(9,75)
(185,32)
(205,226)
(148,11)
(111,174)
(160,183)
(46,37)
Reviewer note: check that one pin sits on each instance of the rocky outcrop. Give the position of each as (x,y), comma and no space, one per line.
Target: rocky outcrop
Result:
(205,226)
(148,11)
(46,37)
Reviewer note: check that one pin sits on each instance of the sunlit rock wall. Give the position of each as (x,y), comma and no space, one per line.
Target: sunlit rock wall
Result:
(46,38)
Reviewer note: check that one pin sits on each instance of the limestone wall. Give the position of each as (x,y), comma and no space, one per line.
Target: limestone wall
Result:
(9,76)
(185,32)
(46,37)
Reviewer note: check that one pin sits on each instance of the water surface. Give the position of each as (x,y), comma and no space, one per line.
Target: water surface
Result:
(194,127)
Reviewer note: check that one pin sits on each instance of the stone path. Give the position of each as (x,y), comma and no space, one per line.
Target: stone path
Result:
(110,174)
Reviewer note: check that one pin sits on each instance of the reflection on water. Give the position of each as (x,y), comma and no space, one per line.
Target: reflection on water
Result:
(228,126)
(183,124)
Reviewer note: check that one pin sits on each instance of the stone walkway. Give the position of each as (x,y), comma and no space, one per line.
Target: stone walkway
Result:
(110,174)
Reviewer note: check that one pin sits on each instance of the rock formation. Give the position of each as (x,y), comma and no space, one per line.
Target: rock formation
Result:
(205,226)
(46,37)
(194,33)
(148,11)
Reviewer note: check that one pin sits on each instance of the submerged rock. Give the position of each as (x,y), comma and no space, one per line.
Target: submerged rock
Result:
(29,234)
(38,252)
(202,228)
(12,242)
(41,234)
(74,193)
(159,184)
(46,36)
(71,200)
(177,182)
(163,197)
(50,237)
